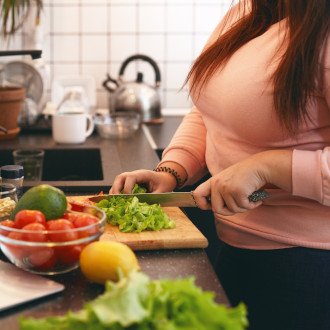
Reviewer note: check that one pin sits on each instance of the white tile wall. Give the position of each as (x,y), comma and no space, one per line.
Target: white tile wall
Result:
(95,36)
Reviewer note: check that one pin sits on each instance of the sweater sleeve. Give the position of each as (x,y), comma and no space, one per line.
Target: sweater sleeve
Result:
(311,169)
(187,146)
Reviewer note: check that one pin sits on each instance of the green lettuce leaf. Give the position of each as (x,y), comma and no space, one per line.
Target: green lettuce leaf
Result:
(132,216)
(138,303)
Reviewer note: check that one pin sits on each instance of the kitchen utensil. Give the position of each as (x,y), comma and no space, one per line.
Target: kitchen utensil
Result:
(135,95)
(117,125)
(185,234)
(18,287)
(56,252)
(179,199)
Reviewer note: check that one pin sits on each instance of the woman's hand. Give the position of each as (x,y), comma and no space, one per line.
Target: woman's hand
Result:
(153,181)
(227,192)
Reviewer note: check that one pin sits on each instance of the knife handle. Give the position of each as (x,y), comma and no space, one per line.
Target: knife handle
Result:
(256,196)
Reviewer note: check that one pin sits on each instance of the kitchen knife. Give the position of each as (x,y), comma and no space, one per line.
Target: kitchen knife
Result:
(179,199)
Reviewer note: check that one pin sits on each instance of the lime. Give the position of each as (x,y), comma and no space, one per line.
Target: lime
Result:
(105,260)
(50,200)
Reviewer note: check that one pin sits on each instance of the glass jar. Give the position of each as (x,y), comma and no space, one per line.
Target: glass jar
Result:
(13,174)
(8,200)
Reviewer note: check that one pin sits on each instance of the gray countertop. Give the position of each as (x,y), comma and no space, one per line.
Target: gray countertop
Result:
(157,264)
(116,157)
(162,134)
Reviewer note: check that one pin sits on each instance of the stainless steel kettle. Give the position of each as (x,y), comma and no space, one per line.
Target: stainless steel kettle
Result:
(136,95)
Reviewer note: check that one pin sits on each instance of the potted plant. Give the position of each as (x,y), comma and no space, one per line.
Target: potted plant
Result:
(15,12)
(13,15)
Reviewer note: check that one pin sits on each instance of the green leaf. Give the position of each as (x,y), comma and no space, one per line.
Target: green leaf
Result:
(122,303)
(137,303)
(13,14)
(132,216)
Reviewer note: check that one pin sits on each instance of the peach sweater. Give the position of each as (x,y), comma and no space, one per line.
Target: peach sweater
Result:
(233,119)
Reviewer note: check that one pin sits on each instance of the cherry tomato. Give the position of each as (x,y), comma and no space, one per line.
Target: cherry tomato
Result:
(70,216)
(15,235)
(42,258)
(64,228)
(68,255)
(7,223)
(25,217)
(16,251)
(84,221)
(76,206)
(37,233)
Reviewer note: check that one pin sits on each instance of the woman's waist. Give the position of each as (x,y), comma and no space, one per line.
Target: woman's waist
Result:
(283,220)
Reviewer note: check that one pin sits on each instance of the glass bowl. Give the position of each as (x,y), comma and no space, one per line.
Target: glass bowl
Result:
(51,252)
(119,125)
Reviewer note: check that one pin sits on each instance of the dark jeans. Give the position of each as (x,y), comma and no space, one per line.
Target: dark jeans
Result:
(285,289)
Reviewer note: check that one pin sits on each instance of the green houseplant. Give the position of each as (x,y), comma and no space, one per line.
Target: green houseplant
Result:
(14,13)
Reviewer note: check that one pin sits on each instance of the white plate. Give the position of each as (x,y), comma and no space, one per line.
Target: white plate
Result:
(18,286)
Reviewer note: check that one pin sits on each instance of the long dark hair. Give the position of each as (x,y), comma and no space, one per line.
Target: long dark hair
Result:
(295,79)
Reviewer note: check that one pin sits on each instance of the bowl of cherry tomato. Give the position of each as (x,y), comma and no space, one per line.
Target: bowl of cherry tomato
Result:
(50,247)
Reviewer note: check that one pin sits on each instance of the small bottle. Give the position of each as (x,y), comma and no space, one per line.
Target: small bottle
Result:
(13,174)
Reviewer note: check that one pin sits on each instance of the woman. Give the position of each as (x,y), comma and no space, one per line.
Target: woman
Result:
(261,90)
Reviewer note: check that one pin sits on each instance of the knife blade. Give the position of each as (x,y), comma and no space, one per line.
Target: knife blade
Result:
(179,199)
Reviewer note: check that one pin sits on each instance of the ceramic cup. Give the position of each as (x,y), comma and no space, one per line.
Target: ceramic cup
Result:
(72,127)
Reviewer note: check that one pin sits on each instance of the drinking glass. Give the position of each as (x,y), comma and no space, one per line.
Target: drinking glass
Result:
(32,162)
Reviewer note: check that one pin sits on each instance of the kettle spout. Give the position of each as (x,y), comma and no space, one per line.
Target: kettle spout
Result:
(107,84)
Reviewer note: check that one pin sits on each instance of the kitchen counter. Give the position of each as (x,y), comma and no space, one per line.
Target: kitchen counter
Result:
(116,157)
(157,264)
(161,135)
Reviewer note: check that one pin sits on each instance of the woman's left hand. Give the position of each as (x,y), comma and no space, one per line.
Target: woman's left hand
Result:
(227,192)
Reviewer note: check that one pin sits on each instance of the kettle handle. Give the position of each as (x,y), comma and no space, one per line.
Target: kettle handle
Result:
(110,80)
(143,58)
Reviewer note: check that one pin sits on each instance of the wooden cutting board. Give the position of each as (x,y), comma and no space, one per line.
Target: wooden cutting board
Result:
(184,235)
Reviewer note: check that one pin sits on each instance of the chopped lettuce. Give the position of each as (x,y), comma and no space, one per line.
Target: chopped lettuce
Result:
(138,303)
(132,216)
(138,189)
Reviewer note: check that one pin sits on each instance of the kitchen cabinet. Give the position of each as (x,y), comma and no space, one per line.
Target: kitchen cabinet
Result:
(115,157)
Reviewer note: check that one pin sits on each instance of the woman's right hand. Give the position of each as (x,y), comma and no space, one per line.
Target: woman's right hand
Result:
(154,181)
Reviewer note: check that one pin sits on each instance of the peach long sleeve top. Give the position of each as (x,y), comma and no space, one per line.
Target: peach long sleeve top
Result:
(232,119)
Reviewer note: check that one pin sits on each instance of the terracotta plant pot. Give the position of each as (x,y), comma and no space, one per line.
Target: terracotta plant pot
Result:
(11,102)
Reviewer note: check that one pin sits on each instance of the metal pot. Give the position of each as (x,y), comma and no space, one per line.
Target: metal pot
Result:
(136,95)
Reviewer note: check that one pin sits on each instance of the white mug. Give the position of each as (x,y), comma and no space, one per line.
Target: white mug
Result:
(72,127)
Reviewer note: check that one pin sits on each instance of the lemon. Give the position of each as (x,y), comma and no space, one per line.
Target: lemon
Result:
(105,260)
(50,200)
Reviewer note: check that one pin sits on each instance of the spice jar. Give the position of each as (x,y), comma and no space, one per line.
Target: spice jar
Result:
(13,174)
